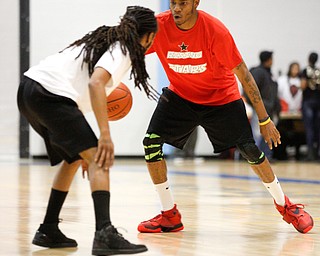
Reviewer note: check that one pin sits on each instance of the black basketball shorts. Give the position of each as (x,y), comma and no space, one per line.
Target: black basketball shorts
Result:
(175,118)
(57,119)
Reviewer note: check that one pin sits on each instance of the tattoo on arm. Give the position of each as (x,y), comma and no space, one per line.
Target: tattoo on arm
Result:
(250,85)
(252,89)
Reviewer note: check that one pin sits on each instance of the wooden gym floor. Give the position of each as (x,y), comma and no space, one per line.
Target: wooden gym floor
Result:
(226,209)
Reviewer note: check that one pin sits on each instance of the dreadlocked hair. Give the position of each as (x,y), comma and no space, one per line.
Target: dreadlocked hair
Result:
(136,22)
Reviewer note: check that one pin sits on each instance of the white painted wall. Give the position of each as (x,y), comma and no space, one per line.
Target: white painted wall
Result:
(9,74)
(288,27)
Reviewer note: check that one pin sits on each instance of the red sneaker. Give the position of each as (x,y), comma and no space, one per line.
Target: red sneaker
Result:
(294,214)
(167,221)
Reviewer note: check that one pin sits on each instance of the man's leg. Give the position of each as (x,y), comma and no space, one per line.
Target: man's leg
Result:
(308,120)
(270,181)
(100,189)
(292,213)
(107,240)
(170,218)
(48,234)
(158,174)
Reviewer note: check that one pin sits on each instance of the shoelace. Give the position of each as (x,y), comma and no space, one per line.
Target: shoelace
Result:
(119,235)
(154,218)
(290,210)
(122,228)
(293,206)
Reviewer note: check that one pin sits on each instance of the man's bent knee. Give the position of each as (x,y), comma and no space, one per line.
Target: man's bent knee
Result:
(152,144)
(251,153)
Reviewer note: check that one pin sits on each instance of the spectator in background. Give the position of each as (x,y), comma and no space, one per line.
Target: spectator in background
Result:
(290,96)
(310,84)
(289,89)
(269,93)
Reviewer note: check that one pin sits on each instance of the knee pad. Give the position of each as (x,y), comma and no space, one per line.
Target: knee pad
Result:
(152,144)
(251,153)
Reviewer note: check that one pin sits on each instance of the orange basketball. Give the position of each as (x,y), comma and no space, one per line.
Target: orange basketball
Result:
(119,102)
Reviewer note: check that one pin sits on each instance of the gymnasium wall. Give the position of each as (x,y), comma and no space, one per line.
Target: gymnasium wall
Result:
(9,77)
(288,27)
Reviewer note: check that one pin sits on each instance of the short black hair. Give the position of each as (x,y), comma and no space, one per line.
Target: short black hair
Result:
(313,58)
(265,56)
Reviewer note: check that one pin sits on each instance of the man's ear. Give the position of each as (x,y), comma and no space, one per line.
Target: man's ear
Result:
(196,3)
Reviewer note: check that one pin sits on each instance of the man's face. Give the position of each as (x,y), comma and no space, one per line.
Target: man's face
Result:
(184,13)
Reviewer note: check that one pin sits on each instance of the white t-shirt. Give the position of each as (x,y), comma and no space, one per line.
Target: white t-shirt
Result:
(293,96)
(62,74)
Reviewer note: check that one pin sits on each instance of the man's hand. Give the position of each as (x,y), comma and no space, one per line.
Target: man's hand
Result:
(270,134)
(105,152)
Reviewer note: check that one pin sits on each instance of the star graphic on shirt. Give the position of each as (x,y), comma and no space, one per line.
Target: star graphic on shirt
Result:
(183,47)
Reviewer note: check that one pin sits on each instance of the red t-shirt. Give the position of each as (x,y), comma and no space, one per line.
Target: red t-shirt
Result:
(199,61)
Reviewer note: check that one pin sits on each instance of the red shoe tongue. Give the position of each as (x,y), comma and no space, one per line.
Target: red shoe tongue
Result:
(293,208)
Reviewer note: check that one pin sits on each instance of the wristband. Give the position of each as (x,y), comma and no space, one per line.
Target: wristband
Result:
(265,121)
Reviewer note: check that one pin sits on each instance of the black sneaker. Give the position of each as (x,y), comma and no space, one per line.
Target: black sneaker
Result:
(49,235)
(108,241)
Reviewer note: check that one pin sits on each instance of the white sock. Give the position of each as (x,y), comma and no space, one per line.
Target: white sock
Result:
(275,190)
(165,195)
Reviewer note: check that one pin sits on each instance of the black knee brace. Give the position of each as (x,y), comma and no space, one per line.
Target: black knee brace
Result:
(152,144)
(251,153)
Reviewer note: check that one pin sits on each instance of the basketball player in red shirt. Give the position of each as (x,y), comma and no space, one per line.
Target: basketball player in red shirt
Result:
(201,60)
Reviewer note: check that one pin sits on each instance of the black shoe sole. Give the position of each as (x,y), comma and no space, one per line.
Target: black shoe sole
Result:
(172,229)
(104,252)
(53,245)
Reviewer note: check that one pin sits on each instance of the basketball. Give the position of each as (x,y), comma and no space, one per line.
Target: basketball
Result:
(119,102)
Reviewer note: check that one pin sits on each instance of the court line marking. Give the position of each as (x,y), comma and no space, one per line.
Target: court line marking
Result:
(241,177)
